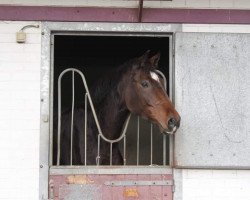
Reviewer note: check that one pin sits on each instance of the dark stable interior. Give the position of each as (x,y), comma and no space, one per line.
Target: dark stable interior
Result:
(95,56)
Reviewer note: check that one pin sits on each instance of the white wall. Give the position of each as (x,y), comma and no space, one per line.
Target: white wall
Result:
(214,4)
(19,112)
(215,184)
(216,28)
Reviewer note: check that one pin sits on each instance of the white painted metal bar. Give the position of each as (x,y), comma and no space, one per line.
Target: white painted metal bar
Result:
(151,144)
(98,150)
(124,151)
(111,153)
(72,117)
(138,140)
(85,128)
(164,149)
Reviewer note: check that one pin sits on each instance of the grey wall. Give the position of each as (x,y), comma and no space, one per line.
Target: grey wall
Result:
(213,97)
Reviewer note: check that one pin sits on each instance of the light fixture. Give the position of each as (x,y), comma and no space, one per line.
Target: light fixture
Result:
(21,35)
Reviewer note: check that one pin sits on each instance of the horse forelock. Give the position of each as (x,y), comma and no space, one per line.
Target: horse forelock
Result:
(154,76)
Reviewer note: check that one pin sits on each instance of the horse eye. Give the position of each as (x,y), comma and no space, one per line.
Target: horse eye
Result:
(144,84)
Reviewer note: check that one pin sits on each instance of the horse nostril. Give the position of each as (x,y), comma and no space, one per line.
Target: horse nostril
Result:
(171,123)
(178,123)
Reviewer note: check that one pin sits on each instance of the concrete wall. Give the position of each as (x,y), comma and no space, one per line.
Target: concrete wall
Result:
(19,112)
(213,4)
(215,184)
(20,116)
(216,28)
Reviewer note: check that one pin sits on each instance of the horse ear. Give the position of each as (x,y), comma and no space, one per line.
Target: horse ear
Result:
(154,60)
(143,59)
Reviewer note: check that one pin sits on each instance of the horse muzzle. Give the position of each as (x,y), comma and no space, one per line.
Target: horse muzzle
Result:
(173,125)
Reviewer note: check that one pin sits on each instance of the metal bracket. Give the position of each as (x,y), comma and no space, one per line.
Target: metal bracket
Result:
(173,187)
(51,190)
(139,183)
(140,8)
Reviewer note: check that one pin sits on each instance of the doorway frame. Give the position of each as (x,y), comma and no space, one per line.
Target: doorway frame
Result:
(47,55)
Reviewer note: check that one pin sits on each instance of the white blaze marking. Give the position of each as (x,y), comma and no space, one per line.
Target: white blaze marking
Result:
(154,76)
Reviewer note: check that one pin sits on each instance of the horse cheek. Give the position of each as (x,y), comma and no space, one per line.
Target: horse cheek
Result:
(131,99)
(150,97)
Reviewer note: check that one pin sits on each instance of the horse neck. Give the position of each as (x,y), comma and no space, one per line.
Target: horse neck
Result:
(112,116)
(110,105)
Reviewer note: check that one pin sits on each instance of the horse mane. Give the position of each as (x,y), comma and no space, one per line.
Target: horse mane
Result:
(101,90)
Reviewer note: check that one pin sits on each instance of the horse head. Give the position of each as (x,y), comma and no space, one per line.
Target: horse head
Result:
(145,94)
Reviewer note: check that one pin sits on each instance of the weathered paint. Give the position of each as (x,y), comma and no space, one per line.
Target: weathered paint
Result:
(130,192)
(91,184)
(94,14)
(78,192)
(79,179)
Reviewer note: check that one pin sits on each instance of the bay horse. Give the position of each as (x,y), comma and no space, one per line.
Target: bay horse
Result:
(134,88)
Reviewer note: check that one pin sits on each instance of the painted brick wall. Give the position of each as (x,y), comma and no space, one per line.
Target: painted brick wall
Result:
(214,4)
(19,112)
(216,184)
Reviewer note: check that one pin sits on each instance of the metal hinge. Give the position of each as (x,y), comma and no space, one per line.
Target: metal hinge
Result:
(52,40)
(139,183)
(173,187)
(51,190)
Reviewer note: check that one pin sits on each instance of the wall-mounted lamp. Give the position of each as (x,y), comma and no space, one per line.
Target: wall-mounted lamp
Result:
(21,35)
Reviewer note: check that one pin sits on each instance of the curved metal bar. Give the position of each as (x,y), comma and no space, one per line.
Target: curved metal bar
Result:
(164,78)
(88,96)
(122,134)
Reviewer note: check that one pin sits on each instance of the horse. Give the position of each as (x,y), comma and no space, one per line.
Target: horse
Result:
(133,87)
